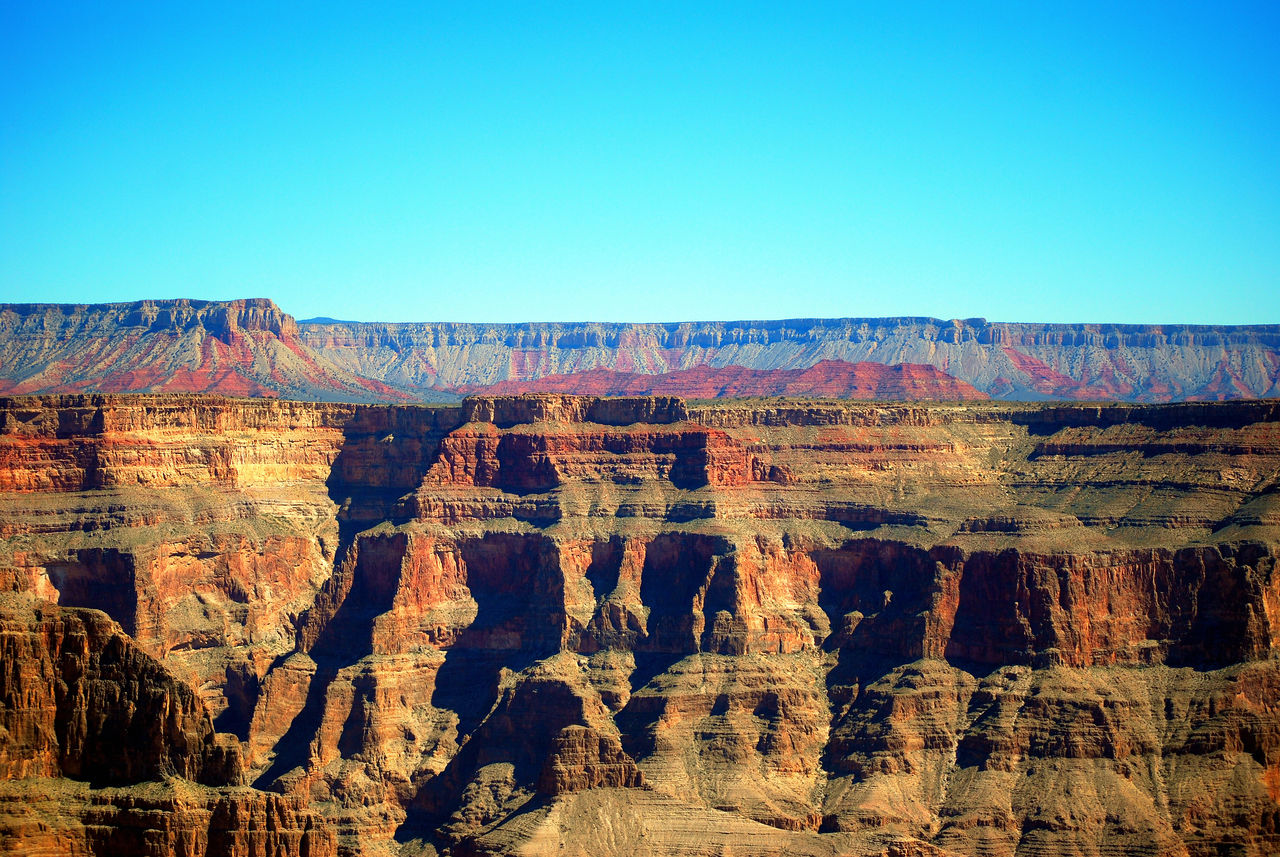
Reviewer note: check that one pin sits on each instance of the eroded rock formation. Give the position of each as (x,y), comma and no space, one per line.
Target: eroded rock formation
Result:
(237,348)
(250,347)
(1153,363)
(835,379)
(553,624)
(103,751)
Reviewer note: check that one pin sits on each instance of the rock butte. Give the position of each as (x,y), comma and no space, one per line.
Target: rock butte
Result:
(251,347)
(572,625)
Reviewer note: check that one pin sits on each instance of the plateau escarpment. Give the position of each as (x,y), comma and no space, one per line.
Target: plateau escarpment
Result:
(252,348)
(1004,360)
(833,379)
(557,624)
(237,348)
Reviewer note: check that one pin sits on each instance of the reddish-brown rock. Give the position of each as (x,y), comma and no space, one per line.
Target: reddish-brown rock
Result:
(252,348)
(81,700)
(545,624)
(826,378)
(582,758)
(53,818)
(237,348)
(104,751)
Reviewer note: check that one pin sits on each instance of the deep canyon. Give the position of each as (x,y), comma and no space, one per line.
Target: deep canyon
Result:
(554,624)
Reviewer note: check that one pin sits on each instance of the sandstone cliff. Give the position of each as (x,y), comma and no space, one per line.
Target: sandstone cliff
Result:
(550,624)
(104,752)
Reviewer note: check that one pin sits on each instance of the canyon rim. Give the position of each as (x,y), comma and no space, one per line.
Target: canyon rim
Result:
(516,429)
(643,624)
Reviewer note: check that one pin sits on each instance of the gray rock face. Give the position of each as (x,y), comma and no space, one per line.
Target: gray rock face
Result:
(1155,363)
(252,348)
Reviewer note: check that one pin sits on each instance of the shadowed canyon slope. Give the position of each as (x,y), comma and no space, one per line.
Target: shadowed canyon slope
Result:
(571,625)
(251,347)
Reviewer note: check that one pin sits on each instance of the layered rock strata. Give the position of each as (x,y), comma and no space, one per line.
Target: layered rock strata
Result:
(1018,361)
(835,379)
(105,752)
(251,347)
(554,624)
(238,348)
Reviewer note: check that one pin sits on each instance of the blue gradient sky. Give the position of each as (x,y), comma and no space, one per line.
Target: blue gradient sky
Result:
(661,161)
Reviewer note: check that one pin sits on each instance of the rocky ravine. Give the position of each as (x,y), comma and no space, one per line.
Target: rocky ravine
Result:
(548,625)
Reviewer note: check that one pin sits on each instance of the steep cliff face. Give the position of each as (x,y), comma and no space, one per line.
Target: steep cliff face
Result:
(76,691)
(237,348)
(105,752)
(1155,363)
(834,379)
(551,624)
(252,348)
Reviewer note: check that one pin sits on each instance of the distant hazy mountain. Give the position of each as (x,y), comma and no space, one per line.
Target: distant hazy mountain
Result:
(251,347)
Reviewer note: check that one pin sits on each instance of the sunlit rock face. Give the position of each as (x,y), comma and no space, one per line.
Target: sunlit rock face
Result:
(253,348)
(557,624)
(927,358)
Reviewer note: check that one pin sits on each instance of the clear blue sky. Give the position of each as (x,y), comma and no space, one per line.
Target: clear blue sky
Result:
(1020,161)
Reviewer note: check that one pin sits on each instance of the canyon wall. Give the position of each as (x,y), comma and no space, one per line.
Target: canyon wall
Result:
(554,624)
(1154,363)
(252,348)
(237,348)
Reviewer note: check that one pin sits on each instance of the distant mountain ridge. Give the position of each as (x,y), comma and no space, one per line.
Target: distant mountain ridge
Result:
(240,348)
(827,379)
(251,347)
(1006,360)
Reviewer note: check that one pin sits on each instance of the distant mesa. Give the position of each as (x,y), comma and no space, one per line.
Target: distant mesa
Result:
(827,379)
(238,348)
(252,348)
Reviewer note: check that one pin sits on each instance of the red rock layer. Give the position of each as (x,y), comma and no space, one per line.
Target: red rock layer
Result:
(552,624)
(252,348)
(826,378)
(81,704)
(236,348)
(1004,360)
(76,691)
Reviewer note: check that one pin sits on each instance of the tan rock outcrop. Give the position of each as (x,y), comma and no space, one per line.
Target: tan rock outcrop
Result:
(53,818)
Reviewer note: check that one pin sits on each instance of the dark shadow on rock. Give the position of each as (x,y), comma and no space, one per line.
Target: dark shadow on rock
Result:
(518,587)
(101,578)
(294,747)
(385,454)
(516,726)
(637,718)
(677,566)
(241,691)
